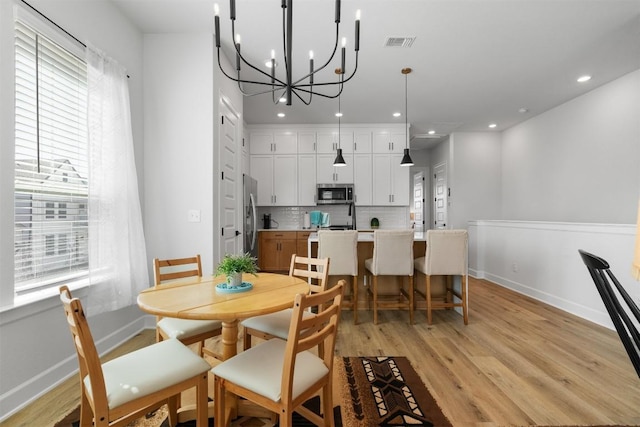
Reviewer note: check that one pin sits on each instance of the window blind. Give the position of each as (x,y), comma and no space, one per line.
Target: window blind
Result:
(51,173)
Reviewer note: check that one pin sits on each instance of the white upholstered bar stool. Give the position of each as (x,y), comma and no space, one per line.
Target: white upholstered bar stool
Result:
(446,255)
(392,256)
(342,248)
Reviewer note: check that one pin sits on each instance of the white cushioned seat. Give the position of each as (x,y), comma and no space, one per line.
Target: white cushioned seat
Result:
(259,369)
(186,328)
(276,324)
(148,370)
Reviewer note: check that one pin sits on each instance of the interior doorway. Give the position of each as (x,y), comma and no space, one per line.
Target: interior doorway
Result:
(418,210)
(440,196)
(230,180)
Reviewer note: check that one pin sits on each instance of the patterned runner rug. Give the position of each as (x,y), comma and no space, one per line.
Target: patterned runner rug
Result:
(369,391)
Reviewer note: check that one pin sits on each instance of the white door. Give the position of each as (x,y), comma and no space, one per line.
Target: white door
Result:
(230,182)
(440,196)
(419,198)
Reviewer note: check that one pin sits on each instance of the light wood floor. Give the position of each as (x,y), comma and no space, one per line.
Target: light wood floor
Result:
(519,362)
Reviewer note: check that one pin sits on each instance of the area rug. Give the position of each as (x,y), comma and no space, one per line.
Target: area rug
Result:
(369,391)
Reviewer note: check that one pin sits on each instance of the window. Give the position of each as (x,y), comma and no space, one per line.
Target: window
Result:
(51,176)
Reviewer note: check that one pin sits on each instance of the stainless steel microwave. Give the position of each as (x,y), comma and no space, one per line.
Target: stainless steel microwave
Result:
(334,194)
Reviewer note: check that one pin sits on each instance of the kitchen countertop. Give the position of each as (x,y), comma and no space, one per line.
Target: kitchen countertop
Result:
(367,236)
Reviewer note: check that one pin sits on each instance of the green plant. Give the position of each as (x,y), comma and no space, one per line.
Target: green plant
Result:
(244,263)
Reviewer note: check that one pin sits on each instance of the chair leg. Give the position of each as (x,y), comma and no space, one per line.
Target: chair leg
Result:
(202,398)
(172,405)
(86,414)
(411,321)
(375,300)
(463,294)
(219,399)
(246,342)
(354,296)
(327,405)
(428,295)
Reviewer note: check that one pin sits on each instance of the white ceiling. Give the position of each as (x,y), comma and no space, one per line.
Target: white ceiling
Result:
(474,61)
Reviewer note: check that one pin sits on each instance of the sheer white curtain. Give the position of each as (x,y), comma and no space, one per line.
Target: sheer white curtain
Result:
(117,253)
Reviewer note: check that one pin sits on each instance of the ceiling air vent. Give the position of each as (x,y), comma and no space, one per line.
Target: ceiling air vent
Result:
(399,41)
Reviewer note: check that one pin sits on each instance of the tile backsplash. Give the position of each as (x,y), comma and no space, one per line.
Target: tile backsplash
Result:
(292,217)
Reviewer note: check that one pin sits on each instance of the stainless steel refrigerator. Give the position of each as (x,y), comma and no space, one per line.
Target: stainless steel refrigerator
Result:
(250,187)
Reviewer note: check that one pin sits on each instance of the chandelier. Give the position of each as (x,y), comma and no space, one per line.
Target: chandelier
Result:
(285,87)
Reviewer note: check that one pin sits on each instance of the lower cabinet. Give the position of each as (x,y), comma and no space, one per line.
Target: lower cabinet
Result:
(275,249)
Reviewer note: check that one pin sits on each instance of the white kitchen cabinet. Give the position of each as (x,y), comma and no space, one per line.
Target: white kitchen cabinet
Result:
(260,142)
(306,142)
(326,173)
(390,181)
(388,142)
(306,179)
(268,142)
(327,141)
(362,179)
(277,177)
(362,142)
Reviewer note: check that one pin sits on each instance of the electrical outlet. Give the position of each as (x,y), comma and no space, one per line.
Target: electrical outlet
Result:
(193,215)
(514,267)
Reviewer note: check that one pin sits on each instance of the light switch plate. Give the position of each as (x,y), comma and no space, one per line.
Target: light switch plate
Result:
(193,215)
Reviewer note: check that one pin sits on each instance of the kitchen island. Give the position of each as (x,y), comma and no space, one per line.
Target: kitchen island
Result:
(387,284)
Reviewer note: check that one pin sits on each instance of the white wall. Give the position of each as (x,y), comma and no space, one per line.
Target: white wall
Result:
(570,180)
(578,162)
(179,146)
(36,346)
(475,177)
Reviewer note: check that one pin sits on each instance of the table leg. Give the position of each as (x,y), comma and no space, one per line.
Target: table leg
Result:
(229,339)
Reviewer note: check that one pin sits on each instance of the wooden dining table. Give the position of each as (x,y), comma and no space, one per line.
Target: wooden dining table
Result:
(198,298)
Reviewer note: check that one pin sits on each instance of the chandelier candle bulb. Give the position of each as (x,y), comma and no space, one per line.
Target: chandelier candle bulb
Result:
(357,44)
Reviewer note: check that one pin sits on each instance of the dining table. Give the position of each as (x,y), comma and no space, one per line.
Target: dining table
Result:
(202,298)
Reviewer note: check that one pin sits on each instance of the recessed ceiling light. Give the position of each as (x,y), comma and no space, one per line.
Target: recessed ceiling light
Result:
(397,114)
(492,125)
(338,114)
(523,110)
(281,114)
(282,100)
(431,132)
(584,78)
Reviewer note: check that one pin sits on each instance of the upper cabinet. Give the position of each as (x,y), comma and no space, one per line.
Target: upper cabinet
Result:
(328,141)
(362,142)
(306,142)
(388,141)
(267,142)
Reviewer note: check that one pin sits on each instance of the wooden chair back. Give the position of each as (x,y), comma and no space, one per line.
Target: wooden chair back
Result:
(179,268)
(316,269)
(89,361)
(319,331)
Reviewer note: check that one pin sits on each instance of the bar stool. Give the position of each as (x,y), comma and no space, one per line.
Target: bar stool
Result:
(446,255)
(342,248)
(392,256)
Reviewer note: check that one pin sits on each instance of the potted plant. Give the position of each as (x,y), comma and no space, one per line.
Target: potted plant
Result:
(233,266)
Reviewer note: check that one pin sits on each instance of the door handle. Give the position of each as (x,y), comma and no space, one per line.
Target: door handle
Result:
(238,233)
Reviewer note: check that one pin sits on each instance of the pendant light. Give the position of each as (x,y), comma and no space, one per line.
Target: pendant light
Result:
(339,161)
(406,159)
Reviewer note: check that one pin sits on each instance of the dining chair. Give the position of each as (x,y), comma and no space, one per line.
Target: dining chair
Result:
(341,247)
(186,330)
(446,255)
(273,325)
(121,390)
(392,256)
(280,375)
(627,330)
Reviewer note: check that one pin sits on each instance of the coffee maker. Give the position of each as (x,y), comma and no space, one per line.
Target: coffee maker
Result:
(266,221)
